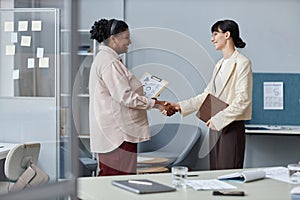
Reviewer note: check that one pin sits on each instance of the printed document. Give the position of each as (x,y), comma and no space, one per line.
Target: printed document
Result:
(210,184)
(153,85)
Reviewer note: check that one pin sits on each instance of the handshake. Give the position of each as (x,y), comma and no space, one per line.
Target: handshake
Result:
(167,108)
(170,108)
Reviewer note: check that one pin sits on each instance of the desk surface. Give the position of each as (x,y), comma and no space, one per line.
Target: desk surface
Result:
(92,188)
(5,148)
(272,129)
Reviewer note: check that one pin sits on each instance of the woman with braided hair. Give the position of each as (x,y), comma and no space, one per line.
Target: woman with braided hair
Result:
(117,109)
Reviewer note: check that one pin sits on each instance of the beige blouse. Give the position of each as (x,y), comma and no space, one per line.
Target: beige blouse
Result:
(117,107)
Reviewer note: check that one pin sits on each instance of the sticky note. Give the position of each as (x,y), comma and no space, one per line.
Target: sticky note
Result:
(10,50)
(8,26)
(44,62)
(23,25)
(40,52)
(16,74)
(14,37)
(26,41)
(36,25)
(30,63)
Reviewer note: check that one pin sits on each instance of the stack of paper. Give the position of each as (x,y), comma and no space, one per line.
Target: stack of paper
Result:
(211,184)
(278,173)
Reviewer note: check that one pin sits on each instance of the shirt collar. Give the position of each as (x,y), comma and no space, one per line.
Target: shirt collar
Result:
(109,50)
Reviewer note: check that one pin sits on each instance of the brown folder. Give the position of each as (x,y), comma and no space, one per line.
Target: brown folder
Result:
(211,106)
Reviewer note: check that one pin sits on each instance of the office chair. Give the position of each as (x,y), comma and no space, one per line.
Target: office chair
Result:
(87,165)
(17,161)
(171,141)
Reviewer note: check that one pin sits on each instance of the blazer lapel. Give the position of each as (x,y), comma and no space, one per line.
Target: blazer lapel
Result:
(228,72)
(217,68)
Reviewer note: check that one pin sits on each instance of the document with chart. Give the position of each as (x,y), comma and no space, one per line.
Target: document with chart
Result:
(210,184)
(153,85)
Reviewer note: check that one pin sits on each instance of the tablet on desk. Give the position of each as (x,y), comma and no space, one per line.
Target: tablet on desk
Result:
(142,186)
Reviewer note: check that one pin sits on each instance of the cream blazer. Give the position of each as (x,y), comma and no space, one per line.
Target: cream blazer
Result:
(236,91)
(117,107)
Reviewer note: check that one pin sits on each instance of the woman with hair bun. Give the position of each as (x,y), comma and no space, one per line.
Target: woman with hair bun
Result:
(117,109)
(232,83)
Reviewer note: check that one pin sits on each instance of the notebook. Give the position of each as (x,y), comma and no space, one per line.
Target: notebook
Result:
(210,106)
(142,186)
(245,176)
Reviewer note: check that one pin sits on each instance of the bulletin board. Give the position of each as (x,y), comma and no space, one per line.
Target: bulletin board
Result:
(29,40)
(290,112)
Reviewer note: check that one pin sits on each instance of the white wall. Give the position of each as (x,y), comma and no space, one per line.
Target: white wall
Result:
(269,27)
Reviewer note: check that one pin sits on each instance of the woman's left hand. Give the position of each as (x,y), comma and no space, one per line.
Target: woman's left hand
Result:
(210,125)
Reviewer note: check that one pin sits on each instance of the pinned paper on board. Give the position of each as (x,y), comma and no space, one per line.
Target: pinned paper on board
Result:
(40,52)
(8,26)
(16,74)
(10,50)
(36,25)
(23,26)
(14,37)
(26,41)
(44,62)
(30,63)
(273,95)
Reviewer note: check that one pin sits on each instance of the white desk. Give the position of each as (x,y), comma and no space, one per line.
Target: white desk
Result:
(92,188)
(272,129)
(5,148)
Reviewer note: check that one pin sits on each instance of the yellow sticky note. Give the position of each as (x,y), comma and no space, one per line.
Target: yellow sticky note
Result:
(36,25)
(23,26)
(26,41)
(8,26)
(44,62)
(10,50)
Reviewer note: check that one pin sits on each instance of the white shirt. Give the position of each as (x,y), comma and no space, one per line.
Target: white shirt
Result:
(219,80)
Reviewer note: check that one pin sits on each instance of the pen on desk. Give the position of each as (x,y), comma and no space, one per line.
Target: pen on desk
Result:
(192,175)
(139,182)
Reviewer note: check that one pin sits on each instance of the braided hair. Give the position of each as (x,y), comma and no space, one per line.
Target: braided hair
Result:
(103,29)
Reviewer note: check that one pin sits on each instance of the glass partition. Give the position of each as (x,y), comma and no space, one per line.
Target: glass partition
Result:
(36,81)
(29,52)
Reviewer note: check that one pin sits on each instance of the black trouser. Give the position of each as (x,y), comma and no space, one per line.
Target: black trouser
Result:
(228,147)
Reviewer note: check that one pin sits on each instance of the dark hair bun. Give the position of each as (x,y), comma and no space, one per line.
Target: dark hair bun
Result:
(99,30)
(240,43)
